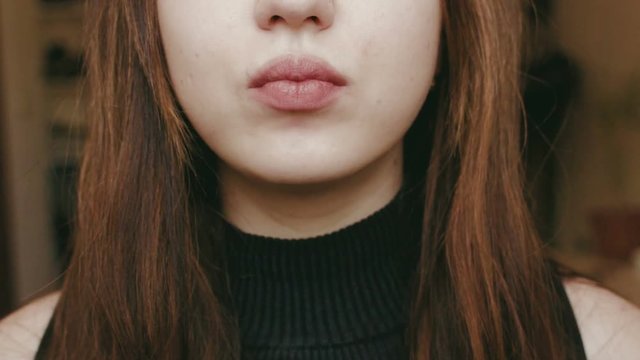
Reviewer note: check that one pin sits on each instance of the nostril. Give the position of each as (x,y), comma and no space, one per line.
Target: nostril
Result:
(314,15)
(274,19)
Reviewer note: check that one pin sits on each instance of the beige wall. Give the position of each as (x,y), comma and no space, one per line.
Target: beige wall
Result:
(599,162)
(26,144)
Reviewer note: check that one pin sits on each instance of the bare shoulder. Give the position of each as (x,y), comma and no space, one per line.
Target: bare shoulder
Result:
(22,330)
(609,325)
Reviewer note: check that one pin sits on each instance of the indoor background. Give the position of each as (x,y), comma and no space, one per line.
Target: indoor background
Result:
(582,152)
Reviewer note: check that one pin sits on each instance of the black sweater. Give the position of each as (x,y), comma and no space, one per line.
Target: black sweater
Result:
(343,295)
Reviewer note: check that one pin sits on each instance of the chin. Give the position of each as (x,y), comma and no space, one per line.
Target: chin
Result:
(301,174)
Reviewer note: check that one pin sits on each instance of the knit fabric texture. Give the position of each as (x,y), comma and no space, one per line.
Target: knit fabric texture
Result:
(342,295)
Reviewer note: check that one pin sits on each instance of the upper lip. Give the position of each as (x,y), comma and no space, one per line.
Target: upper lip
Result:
(296,68)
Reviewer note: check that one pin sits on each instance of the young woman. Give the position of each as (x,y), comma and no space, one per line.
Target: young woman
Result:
(311,179)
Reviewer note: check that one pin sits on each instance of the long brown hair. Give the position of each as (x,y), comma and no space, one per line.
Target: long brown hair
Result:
(145,278)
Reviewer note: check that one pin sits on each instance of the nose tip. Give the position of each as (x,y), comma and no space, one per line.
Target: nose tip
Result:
(294,13)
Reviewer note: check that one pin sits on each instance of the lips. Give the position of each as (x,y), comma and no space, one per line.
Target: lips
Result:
(301,83)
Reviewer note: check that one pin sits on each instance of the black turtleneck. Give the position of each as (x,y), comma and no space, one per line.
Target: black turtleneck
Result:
(342,295)
(339,296)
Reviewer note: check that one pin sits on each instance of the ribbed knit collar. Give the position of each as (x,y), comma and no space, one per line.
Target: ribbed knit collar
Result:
(343,287)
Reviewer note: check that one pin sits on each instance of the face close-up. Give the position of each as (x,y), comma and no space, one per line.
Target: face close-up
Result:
(306,91)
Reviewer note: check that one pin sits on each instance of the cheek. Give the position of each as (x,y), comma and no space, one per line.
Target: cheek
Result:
(200,48)
(399,57)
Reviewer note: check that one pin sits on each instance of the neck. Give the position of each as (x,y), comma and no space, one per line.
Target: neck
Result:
(310,209)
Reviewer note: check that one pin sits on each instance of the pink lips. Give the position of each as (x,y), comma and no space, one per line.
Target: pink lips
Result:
(292,83)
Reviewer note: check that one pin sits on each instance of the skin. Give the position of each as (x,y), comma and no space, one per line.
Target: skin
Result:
(290,172)
(299,174)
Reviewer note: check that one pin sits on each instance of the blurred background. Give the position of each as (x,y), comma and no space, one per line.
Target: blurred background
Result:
(582,149)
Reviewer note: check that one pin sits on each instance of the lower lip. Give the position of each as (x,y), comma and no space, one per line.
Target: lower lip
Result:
(308,95)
